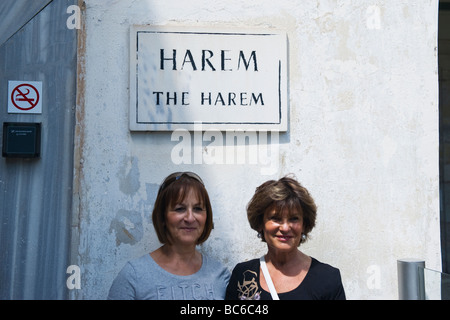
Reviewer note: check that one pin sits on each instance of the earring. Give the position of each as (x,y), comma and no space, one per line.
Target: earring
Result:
(303,237)
(259,235)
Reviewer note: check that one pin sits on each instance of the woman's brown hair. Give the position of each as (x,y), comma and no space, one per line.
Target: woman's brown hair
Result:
(171,192)
(285,193)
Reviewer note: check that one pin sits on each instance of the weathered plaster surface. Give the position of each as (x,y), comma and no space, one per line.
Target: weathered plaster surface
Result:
(363,138)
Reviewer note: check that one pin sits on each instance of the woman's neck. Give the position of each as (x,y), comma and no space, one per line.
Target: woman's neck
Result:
(284,259)
(179,252)
(178,260)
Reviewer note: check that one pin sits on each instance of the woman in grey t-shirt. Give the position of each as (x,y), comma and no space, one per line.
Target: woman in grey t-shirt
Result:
(182,217)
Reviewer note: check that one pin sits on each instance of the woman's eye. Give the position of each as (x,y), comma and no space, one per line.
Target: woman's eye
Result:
(179,209)
(199,209)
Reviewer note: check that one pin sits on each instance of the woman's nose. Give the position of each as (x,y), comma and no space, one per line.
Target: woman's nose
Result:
(284,225)
(189,217)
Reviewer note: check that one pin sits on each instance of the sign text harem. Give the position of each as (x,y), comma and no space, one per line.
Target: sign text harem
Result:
(225,80)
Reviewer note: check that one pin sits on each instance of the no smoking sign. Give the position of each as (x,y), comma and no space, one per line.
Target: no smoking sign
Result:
(25,97)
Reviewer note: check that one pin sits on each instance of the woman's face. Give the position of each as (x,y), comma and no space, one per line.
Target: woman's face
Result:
(185,222)
(282,230)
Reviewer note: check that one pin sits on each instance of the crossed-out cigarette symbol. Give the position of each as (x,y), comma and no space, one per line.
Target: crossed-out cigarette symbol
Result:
(28,98)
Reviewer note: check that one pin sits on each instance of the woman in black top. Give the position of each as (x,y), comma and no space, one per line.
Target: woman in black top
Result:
(283,213)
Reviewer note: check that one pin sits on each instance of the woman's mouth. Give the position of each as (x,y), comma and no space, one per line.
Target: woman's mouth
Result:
(284,238)
(188,229)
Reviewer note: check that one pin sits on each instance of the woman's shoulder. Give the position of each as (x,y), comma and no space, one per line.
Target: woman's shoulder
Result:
(210,260)
(212,263)
(325,281)
(143,260)
(252,264)
(140,264)
(244,281)
(321,267)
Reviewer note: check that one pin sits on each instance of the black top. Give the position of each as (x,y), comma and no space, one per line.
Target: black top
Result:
(322,282)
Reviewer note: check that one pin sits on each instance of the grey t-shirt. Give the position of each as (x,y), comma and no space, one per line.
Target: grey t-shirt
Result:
(143,279)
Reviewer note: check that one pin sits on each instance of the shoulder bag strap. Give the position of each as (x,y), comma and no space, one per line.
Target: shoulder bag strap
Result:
(269,282)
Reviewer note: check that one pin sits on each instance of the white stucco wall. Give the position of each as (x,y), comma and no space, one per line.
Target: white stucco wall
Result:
(363,138)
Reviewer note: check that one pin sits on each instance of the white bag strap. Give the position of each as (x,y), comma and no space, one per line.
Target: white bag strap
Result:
(269,282)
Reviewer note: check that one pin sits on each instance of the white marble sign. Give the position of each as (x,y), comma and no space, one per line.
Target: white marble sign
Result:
(223,79)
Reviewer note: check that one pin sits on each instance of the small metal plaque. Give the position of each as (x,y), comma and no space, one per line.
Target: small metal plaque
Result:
(21,140)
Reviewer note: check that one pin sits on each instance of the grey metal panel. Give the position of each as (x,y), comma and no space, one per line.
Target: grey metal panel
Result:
(16,13)
(36,195)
